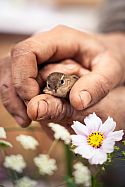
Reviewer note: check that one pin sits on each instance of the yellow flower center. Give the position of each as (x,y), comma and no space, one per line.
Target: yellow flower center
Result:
(95,139)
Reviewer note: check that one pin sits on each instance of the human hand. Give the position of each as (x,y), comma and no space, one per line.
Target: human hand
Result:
(100,55)
(47,108)
(8,95)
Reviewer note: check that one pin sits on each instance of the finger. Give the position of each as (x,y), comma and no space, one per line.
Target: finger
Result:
(109,106)
(8,96)
(53,45)
(24,72)
(68,67)
(47,108)
(106,107)
(14,105)
(91,88)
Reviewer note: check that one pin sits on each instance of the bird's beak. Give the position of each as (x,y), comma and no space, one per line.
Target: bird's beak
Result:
(47,91)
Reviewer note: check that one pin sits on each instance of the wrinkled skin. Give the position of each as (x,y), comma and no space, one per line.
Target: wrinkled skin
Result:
(97,59)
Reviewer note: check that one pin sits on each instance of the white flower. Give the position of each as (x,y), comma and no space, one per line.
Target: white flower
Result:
(25,182)
(2,133)
(28,142)
(60,132)
(45,164)
(15,162)
(95,139)
(5,144)
(82,174)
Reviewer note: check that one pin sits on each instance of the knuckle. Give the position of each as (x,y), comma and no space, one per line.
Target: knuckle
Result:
(102,86)
(60,27)
(63,111)
(64,31)
(21,48)
(21,91)
(16,50)
(18,86)
(4,95)
(6,101)
(57,112)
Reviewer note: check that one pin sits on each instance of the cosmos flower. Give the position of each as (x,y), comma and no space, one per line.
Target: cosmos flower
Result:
(45,164)
(28,142)
(60,132)
(25,182)
(15,162)
(82,174)
(95,139)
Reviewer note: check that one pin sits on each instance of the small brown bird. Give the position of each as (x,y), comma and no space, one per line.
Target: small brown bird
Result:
(59,84)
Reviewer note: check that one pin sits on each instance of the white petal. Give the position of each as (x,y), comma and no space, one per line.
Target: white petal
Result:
(116,136)
(85,151)
(93,122)
(99,157)
(108,146)
(108,126)
(78,139)
(79,128)
(2,133)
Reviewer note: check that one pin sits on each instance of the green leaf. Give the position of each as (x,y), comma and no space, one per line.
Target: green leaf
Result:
(70,182)
(123,142)
(117,148)
(5,144)
(123,153)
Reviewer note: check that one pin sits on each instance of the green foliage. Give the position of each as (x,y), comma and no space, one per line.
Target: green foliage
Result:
(70,182)
(123,153)
(117,148)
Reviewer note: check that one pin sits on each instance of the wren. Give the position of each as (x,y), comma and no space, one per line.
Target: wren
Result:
(59,84)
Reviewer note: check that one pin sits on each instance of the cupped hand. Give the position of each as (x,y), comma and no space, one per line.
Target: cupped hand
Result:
(97,59)
(46,108)
(100,55)
(9,96)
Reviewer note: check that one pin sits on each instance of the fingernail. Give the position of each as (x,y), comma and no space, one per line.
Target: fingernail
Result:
(42,109)
(85,98)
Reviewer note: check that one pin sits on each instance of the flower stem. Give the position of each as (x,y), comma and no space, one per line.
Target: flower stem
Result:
(69,160)
(69,167)
(94,181)
(52,146)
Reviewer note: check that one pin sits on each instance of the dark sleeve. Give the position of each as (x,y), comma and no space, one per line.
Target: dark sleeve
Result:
(112,16)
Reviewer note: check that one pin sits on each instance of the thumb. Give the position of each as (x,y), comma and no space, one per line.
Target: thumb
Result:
(88,90)
(92,87)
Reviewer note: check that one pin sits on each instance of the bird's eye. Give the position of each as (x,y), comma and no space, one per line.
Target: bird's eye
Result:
(62,81)
(48,85)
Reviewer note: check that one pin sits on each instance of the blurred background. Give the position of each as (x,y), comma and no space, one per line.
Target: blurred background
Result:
(18,20)
(29,16)
(21,18)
